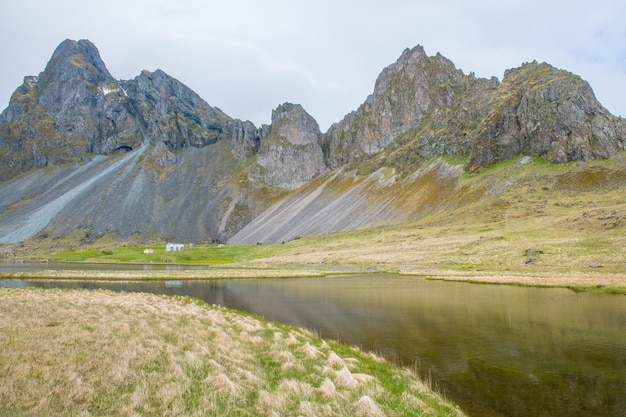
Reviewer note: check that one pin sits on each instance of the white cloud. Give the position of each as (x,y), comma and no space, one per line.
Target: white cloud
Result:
(247,57)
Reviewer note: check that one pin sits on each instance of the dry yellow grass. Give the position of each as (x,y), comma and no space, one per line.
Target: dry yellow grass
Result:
(566,248)
(131,275)
(97,353)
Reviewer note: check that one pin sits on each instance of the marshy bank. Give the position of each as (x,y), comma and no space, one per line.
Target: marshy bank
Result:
(73,352)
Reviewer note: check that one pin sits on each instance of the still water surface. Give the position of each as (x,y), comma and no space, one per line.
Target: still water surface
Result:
(495,350)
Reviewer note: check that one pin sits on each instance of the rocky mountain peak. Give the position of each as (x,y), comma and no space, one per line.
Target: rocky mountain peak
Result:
(545,111)
(294,124)
(73,108)
(172,113)
(82,54)
(73,65)
(405,72)
(22,100)
(408,94)
(289,156)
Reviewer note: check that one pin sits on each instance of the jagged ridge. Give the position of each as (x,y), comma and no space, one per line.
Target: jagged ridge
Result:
(423,107)
(196,174)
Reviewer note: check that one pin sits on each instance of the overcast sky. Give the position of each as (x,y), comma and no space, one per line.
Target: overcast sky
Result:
(248,56)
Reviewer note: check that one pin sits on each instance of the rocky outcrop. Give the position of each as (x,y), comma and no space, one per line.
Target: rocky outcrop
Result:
(544,111)
(419,99)
(170,112)
(74,107)
(246,138)
(289,155)
(423,107)
(163,156)
(86,102)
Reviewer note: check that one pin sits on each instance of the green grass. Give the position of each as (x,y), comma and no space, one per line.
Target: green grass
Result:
(189,256)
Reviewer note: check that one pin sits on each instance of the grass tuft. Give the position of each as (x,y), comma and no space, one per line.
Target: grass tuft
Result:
(366,407)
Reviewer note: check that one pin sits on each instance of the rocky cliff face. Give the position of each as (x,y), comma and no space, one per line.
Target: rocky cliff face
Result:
(423,107)
(290,156)
(173,114)
(86,102)
(246,138)
(541,110)
(73,108)
(419,99)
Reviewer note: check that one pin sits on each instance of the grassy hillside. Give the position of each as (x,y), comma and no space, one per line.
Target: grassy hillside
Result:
(99,353)
(522,218)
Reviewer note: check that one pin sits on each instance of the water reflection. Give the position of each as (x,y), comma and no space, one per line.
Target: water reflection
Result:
(496,350)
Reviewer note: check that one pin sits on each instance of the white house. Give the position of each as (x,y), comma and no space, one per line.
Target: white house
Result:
(174,247)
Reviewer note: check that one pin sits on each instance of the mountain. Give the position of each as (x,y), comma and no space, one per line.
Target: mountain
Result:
(72,109)
(421,102)
(423,107)
(82,153)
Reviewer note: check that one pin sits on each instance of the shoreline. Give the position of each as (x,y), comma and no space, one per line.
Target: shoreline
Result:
(597,281)
(609,282)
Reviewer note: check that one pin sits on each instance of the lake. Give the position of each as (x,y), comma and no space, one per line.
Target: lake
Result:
(496,350)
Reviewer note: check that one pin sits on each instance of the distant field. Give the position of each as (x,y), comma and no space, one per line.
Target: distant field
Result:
(135,254)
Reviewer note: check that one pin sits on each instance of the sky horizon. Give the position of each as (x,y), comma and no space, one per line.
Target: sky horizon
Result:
(248,57)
